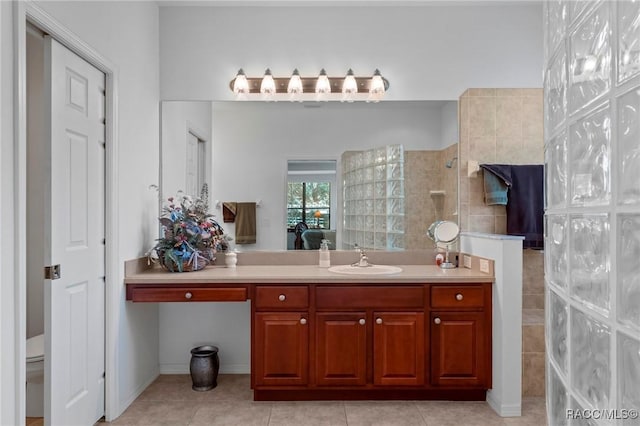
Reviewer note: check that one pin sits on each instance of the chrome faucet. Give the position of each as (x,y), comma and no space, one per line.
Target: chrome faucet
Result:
(364,259)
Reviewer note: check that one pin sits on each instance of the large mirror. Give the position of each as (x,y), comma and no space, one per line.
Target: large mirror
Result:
(248,152)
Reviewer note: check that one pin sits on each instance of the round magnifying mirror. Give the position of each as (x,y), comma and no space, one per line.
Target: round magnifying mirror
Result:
(432,230)
(446,232)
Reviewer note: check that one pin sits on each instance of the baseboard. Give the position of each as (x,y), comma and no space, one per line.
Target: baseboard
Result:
(503,410)
(225,369)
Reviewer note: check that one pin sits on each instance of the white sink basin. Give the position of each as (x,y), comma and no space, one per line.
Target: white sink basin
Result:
(368,270)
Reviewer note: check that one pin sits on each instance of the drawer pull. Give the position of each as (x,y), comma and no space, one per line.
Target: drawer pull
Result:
(459,296)
(188,295)
(437,320)
(378,320)
(362,321)
(282,298)
(303,321)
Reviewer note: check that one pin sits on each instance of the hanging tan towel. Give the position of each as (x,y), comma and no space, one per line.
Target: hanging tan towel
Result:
(229,211)
(246,223)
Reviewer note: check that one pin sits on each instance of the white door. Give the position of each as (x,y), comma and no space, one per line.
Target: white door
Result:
(74,303)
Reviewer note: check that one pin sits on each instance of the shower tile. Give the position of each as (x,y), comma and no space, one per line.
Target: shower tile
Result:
(629,269)
(576,8)
(590,59)
(509,118)
(589,260)
(556,249)
(628,39)
(533,130)
(555,88)
(555,169)
(589,146)
(556,398)
(482,116)
(628,164)
(556,27)
(590,363)
(558,329)
(628,374)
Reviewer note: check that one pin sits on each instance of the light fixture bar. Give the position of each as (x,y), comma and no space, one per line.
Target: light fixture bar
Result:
(309,84)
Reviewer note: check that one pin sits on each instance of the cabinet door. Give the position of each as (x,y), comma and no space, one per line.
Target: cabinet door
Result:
(281,348)
(341,344)
(398,348)
(458,349)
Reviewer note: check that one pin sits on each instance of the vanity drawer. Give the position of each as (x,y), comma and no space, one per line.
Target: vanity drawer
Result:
(188,294)
(386,297)
(471,296)
(282,297)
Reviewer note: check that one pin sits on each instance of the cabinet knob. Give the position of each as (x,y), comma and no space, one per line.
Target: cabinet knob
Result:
(303,321)
(282,298)
(188,295)
(362,321)
(378,320)
(437,320)
(459,296)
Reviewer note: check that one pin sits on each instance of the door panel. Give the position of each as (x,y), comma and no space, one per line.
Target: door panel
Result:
(398,348)
(281,349)
(74,304)
(457,349)
(341,349)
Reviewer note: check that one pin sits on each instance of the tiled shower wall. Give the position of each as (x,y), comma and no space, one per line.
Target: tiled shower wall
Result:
(592,154)
(430,192)
(501,126)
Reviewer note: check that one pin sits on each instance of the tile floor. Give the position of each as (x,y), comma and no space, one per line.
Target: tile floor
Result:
(170,401)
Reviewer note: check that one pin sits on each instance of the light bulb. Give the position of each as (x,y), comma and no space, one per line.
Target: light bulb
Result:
(268,85)
(377,84)
(240,83)
(323,85)
(295,83)
(376,90)
(349,86)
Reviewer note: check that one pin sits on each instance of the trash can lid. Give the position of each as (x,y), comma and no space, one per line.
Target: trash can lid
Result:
(204,350)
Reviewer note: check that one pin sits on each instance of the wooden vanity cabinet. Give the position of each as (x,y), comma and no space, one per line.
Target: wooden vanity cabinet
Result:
(398,348)
(341,349)
(368,341)
(280,348)
(460,330)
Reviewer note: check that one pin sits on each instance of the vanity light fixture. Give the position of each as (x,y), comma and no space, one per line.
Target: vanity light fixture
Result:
(321,88)
(349,86)
(268,85)
(240,83)
(295,83)
(323,85)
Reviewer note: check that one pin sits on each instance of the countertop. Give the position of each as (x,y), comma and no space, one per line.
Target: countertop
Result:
(301,274)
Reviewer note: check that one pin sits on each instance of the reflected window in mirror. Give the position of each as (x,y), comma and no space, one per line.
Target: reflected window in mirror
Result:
(311,195)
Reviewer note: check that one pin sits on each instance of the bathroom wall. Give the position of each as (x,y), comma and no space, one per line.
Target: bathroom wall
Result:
(592,129)
(428,52)
(127,34)
(506,126)
(496,126)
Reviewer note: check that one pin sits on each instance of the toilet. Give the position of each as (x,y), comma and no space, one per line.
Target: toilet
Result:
(35,376)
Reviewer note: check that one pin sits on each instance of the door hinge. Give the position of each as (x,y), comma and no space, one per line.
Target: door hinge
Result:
(52,272)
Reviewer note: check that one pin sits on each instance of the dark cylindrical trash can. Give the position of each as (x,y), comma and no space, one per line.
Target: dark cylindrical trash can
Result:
(204,367)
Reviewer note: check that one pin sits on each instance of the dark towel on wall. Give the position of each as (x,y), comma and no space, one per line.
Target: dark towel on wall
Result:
(525,205)
(245,223)
(229,211)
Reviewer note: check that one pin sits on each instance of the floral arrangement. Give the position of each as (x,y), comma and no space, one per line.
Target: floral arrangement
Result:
(191,234)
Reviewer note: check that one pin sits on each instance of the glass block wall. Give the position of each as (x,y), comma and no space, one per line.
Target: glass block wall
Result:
(373,197)
(592,157)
